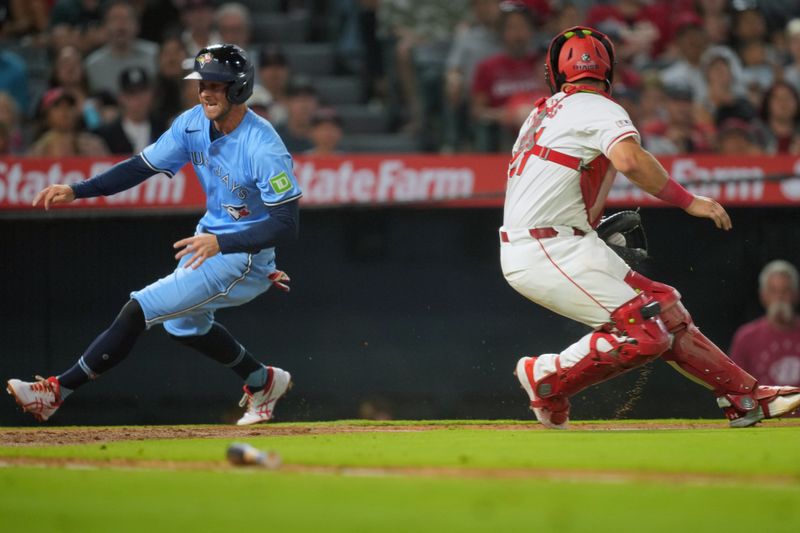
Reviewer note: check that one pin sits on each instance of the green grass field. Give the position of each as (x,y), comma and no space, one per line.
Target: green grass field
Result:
(448,476)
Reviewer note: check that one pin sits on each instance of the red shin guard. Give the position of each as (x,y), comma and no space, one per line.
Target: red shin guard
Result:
(602,363)
(692,351)
(639,337)
(695,356)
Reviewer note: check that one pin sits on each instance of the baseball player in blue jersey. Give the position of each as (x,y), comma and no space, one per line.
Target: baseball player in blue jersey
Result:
(252,206)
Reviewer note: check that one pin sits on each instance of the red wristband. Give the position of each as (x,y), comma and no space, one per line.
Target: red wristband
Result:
(674,193)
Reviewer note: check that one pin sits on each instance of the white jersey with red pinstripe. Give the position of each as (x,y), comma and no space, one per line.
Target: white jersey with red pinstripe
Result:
(550,186)
(584,125)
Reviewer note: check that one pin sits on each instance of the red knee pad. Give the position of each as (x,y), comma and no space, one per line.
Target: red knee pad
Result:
(639,319)
(673,313)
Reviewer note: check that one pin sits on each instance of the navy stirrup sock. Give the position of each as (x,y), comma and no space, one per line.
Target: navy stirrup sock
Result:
(221,346)
(107,350)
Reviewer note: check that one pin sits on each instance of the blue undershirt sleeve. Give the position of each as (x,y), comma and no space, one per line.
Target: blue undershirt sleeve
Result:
(281,227)
(120,177)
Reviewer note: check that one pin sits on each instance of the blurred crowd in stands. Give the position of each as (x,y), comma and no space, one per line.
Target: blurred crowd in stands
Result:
(93,77)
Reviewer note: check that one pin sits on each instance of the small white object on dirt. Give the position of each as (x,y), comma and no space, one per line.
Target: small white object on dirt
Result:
(242,454)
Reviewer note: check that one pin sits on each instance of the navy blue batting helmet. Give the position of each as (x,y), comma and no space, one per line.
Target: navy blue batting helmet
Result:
(229,64)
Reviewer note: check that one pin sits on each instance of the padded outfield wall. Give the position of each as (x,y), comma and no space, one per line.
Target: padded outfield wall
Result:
(403,308)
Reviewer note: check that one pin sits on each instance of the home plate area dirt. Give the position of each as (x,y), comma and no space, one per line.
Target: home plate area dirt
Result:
(54,436)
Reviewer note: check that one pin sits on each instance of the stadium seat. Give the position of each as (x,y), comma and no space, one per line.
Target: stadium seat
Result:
(339,90)
(262,6)
(293,27)
(358,119)
(37,85)
(313,59)
(379,143)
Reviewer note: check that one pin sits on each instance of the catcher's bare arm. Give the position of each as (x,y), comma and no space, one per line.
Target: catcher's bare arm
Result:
(644,170)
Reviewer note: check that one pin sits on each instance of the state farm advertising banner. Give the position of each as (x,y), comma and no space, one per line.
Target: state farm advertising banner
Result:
(463,180)
(22,178)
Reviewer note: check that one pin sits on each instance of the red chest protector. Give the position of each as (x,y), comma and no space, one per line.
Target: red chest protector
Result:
(591,174)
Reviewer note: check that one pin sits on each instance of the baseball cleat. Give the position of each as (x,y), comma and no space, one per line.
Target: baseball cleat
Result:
(553,413)
(41,398)
(261,404)
(772,402)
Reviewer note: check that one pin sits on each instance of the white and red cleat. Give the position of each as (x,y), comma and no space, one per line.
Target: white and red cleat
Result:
(261,404)
(41,398)
(553,412)
(766,402)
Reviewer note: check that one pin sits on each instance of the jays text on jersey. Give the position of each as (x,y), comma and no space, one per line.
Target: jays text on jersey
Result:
(242,173)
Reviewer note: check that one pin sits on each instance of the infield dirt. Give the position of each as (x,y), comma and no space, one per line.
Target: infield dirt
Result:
(55,436)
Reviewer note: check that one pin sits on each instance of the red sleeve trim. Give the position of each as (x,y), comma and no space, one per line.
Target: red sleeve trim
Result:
(620,137)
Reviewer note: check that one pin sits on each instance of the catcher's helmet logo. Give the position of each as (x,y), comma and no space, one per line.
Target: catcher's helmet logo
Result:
(578,53)
(204,58)
(236,211)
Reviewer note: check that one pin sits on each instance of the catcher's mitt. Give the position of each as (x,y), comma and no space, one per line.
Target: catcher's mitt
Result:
(624,233)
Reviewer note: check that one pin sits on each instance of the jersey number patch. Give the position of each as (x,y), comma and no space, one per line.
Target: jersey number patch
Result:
(280,183)
(520,159)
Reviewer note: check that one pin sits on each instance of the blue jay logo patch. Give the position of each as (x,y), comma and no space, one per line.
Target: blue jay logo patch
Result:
(204,58)
(236,211)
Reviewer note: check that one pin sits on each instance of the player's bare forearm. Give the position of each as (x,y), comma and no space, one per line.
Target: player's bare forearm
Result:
(198,248)
(639,166)
(644,171)
(54,194)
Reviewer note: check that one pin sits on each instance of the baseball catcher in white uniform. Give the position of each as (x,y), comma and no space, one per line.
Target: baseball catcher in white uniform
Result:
(564,161)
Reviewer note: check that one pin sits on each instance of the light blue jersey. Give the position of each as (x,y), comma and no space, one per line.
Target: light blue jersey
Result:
(243,174)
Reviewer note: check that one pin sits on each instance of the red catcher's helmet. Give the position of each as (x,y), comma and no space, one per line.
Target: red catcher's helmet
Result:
(578,53)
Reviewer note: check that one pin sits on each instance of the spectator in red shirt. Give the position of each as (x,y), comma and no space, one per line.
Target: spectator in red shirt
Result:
(500,77)
(641,29)
(769,347)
